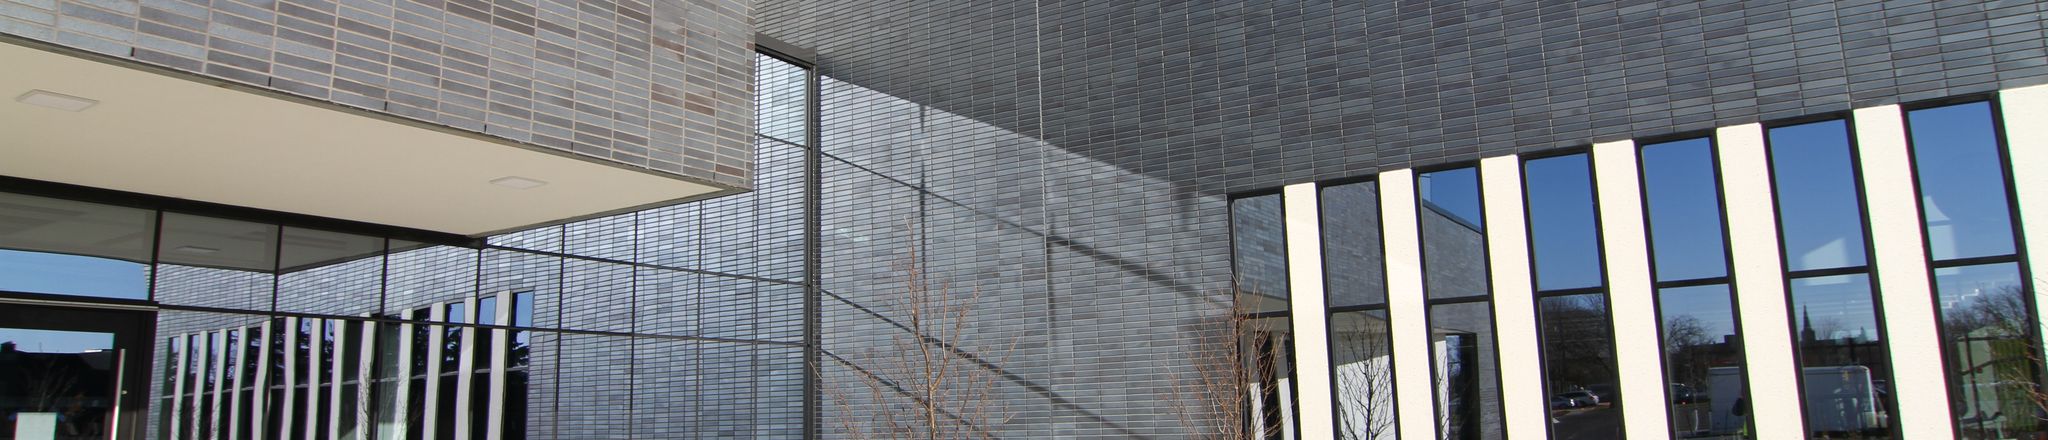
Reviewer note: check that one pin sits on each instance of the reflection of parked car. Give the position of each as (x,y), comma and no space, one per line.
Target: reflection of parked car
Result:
(1562,402)
(1581,398)
(1606,392)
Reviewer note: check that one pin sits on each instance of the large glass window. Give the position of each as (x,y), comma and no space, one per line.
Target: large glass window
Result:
(1361,349)
(1259,245)
(1455,281)
(1987,319)
(1578,343)
(1702,351)
(1842,356)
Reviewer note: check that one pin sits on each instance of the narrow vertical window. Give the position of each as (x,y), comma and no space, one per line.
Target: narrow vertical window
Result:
(1455,282)
(1987,319)
(1572,316)
(1259,246)
(1361,355)
(1842,355)
(1708,394)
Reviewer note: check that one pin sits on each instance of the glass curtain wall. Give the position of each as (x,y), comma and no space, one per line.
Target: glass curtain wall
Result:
(1988,320)
(1465,369)
(1689,261)
(1361,352)
(1839,333)
(1260,322)
(1572,316)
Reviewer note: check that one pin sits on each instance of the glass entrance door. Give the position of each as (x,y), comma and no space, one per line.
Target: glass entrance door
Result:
(71,373)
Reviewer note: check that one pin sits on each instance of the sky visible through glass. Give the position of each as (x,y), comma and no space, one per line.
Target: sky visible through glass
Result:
(1561,222)
(43,272)
(1684,204)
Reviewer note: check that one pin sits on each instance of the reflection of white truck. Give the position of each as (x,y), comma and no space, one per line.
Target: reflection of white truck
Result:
(1838,399)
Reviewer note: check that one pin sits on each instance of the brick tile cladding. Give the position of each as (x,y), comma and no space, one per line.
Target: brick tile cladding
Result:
(1071,159)
(661,84)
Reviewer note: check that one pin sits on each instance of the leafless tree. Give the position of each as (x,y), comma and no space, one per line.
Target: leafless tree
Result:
(1996,325)
(928,384)
(1364,374)
(1235,358)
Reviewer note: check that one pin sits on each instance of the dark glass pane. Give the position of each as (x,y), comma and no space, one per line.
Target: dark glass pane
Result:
(74,248)
(1453,233)
(1259,240)
(57,384)
(1467,375)
(1684,204)
(1842,357)
(1352,255)
(1268,345)
(1362,362)
(1561,222)
(330,273)
(1985,325)
(1818,213)
(1578,361)
(1702,360)
(1962,186)
(212,262)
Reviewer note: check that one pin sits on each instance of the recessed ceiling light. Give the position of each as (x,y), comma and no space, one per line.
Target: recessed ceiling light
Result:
(196,250)
(516,182)
(45,98)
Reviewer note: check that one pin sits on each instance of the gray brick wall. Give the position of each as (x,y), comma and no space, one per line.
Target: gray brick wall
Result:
(1071,159)
(656,84)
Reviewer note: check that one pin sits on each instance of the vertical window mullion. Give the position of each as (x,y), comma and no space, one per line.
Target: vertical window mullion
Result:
(1524,401)
(1901,272)
(501,341)
(1769,358)
(1625,248)
(1407,307)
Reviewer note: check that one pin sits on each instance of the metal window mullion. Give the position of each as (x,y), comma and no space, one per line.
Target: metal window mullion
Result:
(501,342)
(1302,214)
(218,341)
(315,343)
(465,368)
(430,415)
(286,402)
(1759,282)
(1921,391)
(1523,399)
(259,394)
(1407,310)
(182,345)
(1631,299)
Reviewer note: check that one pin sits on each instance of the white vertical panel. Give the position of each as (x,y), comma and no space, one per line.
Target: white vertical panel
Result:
(402,398)
(465,374)
(2025,111)
(430,420)
(217,342)
(241,352)
(1909,322)
(501,344)
(1309,316)
(316,341)
(1638,355)
(366,384)
(1514,304)
(201,357)
(286,405)
(1759,281)
(178,379)
(259,396)
(337,378)
(1407,309)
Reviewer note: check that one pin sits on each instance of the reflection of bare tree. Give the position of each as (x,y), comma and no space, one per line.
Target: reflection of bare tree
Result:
(1683,336)
(1576,343)
(1362,353)
(1998,365)
(1226,395)
(45,382)
(926,385)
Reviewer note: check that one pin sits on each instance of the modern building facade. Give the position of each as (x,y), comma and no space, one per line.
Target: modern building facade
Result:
(1433,219)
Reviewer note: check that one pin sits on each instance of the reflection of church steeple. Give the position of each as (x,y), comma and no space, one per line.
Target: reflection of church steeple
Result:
(1806,327)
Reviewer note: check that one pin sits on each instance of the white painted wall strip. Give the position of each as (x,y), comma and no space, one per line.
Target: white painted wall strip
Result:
(2025,111)
(1908,303)
(1759,281)
(240,349)
(465,375)
(285,411)
(1638,355)
(218,342)
(366,383)
(402,399)
(430,417)
(1407,311)
(337,377)
(1309,316)
(316,340)
(259,396)
(1514,305)
(180,345)
(201,363)
(501,344)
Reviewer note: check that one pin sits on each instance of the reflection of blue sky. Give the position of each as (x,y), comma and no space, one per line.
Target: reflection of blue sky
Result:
(1455,192)
(54,341)
(1840,306)
(40,272)
(1962,187)
(1708,303)
(1684,204)
(1560,193)
(1963,286)
(1819,218)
